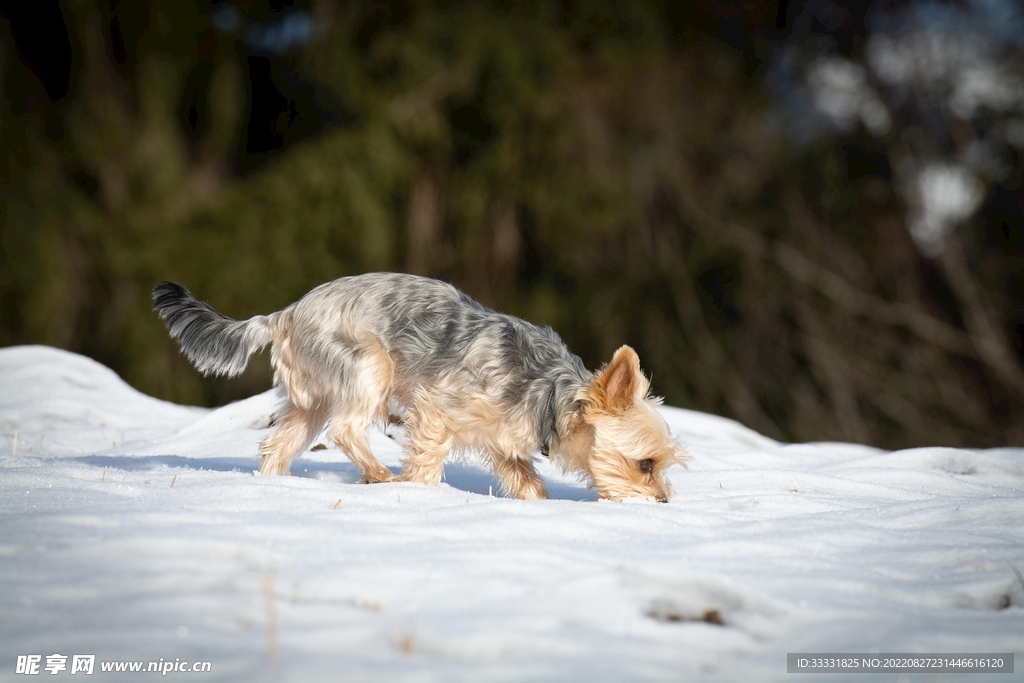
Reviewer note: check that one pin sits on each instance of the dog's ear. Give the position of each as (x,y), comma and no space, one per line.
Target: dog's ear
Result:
(619,383)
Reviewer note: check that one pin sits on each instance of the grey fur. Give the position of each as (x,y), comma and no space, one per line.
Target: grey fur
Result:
(467,377)
(214,343)
(429,329)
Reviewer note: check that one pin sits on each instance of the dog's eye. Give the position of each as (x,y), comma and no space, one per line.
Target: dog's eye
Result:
(646,465)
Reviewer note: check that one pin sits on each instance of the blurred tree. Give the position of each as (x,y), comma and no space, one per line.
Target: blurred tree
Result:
(616,170)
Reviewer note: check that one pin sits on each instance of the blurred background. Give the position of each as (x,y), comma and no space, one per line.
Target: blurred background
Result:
(806,216)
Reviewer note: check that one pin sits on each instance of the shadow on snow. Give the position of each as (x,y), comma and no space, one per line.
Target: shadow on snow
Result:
(459,475)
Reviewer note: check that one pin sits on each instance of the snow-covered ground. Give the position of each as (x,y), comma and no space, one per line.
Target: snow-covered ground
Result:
(134,529)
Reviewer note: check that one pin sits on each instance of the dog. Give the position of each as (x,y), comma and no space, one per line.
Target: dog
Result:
(466,377)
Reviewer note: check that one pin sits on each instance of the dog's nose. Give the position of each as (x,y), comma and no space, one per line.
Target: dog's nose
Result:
(662,499)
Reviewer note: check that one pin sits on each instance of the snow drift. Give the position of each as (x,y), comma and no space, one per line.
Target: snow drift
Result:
(136,529)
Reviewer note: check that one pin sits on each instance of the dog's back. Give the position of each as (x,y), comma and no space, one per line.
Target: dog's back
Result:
(430,329)
(436,337)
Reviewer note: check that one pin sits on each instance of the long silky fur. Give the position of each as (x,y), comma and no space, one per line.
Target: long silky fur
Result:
(213,342)
(468,379)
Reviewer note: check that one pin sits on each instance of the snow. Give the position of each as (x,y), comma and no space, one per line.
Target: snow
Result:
(135,529)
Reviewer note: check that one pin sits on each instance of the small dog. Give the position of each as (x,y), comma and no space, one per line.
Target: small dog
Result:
(466,377)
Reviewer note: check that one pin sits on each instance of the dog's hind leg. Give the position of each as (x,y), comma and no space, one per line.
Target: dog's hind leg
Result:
(518,478)
(363,401)
(351,439)
(295,430)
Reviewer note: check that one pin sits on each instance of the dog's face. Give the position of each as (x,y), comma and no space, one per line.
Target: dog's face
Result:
(621,441)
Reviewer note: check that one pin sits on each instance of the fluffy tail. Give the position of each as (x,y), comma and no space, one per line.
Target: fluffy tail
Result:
(216,344)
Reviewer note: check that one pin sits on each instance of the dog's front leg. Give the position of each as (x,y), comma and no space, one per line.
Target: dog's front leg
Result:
(351,439)
(518,478)
(425,453)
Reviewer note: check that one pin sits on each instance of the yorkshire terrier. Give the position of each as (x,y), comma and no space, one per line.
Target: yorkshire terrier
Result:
(467,379)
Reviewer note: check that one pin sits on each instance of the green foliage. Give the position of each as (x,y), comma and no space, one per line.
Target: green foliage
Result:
(583,171)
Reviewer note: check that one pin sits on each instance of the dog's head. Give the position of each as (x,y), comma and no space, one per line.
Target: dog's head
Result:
(618,438)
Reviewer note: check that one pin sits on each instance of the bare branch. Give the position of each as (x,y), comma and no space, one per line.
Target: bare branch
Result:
(836,288)
(991,345)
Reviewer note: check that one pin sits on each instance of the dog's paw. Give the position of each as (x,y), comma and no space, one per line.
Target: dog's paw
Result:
(377,478)
(533,490)
(274,467)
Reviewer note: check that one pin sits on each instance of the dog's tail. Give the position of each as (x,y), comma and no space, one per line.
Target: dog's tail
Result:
(214,343)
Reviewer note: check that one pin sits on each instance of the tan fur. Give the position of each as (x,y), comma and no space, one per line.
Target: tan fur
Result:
(469,379)
(615,429)
(618,427)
